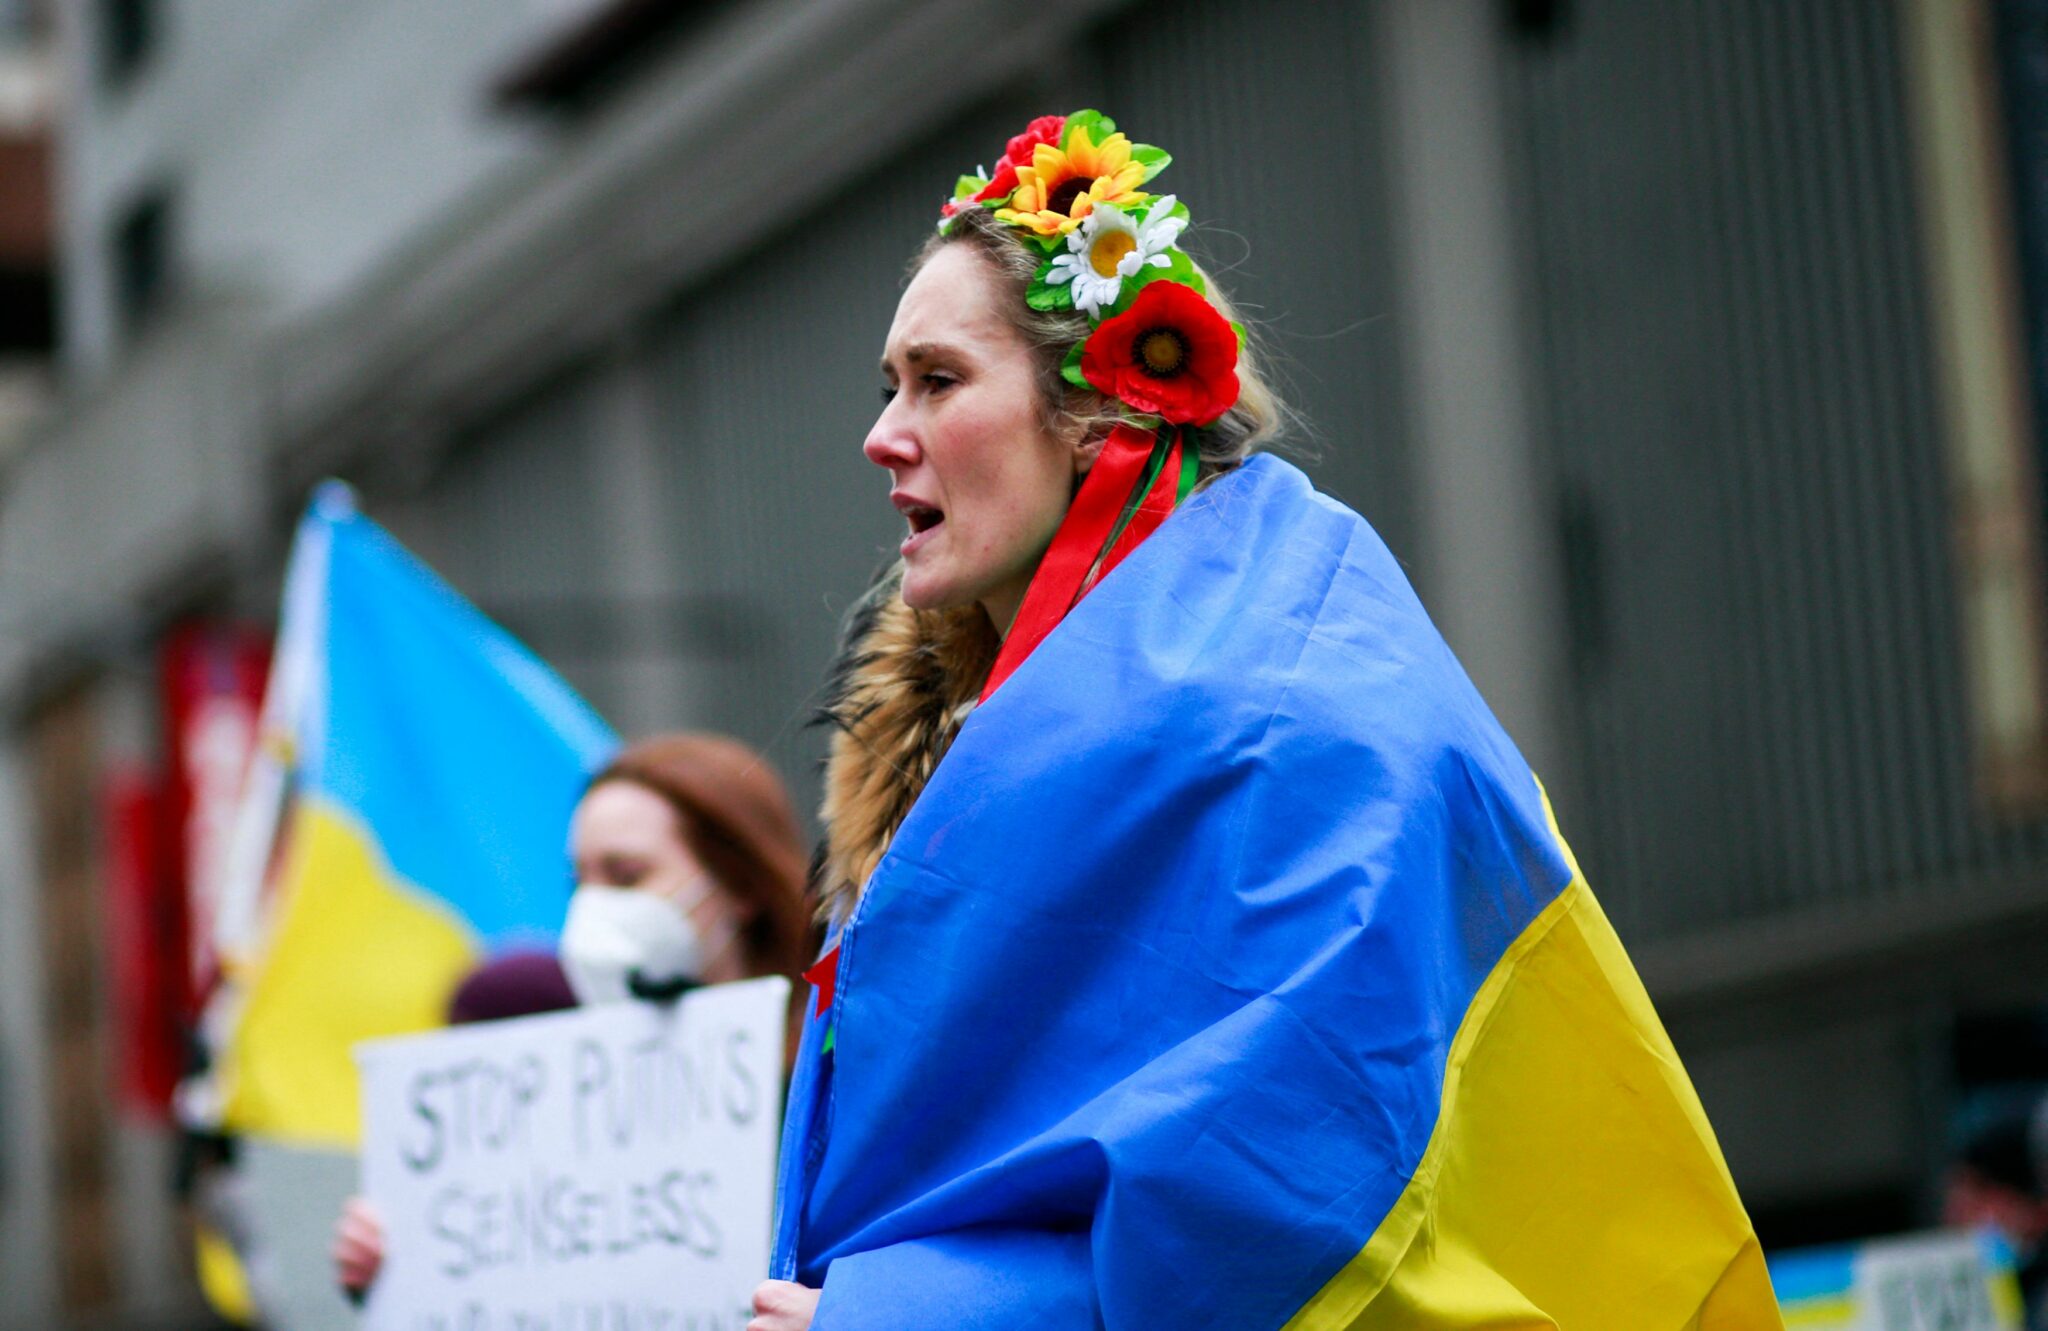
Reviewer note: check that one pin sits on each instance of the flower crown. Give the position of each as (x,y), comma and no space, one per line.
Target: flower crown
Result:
(1074,186)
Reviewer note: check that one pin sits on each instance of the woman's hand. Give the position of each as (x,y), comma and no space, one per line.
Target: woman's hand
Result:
(359,1249)
(780,1305)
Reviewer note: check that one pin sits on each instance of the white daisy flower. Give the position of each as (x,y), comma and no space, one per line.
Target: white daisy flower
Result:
(1110,245)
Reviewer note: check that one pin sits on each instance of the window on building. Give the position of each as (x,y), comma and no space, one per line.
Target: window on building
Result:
(128,31)
(142,258)
(28,306)
(27,290)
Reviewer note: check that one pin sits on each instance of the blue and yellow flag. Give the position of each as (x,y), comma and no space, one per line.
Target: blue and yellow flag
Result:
(410,814)
(1230,973)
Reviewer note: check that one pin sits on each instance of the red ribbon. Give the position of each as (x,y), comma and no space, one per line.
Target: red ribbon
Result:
(1156,507)
(824,977)
(1063,576)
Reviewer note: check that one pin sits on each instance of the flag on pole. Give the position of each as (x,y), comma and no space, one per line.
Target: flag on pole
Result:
(406,818)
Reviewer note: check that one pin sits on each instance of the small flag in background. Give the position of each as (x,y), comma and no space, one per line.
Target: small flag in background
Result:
(407,817)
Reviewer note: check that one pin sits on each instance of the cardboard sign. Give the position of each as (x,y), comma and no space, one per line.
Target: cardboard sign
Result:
(610,1167)
(1946,1281)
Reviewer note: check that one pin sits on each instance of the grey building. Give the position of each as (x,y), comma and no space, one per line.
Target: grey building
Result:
(1679,347)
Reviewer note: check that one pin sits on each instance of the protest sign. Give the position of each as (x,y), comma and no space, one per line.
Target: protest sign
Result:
(1939,1281)
(610,1167)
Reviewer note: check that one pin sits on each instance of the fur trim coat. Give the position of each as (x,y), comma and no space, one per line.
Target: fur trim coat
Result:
(903,683)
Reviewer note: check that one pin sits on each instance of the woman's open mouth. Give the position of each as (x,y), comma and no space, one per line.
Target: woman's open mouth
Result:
(923,520)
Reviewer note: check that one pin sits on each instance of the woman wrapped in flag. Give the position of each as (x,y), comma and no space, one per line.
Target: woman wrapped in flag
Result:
(1204,955)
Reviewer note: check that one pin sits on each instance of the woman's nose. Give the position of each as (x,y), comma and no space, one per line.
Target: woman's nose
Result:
(889,444)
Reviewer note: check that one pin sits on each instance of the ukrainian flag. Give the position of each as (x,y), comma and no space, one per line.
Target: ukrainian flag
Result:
(1230,973)
(410,814)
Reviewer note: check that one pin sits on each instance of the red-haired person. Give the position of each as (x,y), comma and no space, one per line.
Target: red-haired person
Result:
(689,871)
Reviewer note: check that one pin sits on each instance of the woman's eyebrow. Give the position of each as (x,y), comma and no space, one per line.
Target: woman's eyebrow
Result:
(920,353)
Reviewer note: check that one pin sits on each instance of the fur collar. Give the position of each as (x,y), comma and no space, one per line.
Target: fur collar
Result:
(903,682)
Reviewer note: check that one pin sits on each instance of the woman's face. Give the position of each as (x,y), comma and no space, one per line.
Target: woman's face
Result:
(625,835)
(980,481)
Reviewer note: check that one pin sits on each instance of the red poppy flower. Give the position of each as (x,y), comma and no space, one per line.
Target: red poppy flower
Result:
(1170,354)
(1001,185)
(1045,129)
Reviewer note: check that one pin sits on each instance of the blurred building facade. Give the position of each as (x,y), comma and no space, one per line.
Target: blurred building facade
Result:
(1680,348)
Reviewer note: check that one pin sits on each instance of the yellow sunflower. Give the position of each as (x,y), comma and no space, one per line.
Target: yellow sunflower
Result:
(1060,186)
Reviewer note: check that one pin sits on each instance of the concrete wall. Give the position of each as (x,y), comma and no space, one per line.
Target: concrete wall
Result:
(302,141)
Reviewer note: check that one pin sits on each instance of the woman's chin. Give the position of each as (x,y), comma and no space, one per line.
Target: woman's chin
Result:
(929,591)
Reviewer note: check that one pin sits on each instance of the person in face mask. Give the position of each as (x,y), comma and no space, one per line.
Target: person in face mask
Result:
(689,869)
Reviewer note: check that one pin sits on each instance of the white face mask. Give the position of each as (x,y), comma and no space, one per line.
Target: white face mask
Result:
(613,931)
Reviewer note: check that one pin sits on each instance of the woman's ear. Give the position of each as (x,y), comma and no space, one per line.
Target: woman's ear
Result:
(1087,450)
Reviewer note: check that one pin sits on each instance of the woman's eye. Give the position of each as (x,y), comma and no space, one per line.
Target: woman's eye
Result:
(888,395)
(938,383)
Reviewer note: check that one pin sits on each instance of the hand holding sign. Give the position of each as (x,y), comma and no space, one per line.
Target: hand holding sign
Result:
(358,1249)
(608,1166)
(783,1305)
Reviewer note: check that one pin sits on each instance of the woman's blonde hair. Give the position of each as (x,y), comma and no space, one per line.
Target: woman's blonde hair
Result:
(1077,413)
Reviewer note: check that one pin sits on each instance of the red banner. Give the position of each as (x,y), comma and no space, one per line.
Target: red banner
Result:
(213,698)
(166,832)
(145,942)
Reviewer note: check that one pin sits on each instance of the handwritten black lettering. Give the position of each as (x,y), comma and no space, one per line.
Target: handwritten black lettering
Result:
(593,1077)
(703,1187)
(419,1159)
(742,1095)
(444,1220)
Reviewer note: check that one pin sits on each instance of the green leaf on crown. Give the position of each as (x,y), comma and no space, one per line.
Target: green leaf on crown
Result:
(1070,370)
(1044,295)
(1098,125)
(1180,268)
(1154,159)
(968,186)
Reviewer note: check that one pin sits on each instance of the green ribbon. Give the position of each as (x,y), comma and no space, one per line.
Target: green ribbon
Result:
(1162,446)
